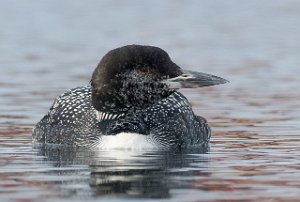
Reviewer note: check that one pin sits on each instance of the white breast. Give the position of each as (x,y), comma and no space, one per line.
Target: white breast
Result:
(132,141)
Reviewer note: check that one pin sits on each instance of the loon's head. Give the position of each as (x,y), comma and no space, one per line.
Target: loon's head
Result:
(136,76)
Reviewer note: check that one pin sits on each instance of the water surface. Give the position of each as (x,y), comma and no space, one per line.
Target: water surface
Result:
(47,47)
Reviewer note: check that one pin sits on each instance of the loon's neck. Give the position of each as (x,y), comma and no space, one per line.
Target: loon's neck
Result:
(122,101)
(101,116)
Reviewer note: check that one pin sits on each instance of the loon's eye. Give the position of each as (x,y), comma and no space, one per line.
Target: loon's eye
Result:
(185,75)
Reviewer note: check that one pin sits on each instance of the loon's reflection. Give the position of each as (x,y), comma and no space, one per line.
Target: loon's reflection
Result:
(125,173)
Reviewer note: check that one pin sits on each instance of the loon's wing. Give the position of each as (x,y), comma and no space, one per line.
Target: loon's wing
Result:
(71,120)
(173,122)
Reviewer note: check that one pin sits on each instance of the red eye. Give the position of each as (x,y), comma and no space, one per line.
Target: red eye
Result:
(144,70)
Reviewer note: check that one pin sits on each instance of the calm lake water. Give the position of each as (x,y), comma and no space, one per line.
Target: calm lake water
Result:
(47,47)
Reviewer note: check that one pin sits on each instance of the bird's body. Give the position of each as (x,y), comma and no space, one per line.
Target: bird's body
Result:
(130,104)
(72,120)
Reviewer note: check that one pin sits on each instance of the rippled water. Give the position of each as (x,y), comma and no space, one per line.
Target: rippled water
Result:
(49,46)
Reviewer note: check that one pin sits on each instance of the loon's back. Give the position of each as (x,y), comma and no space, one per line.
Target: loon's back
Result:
(72,120)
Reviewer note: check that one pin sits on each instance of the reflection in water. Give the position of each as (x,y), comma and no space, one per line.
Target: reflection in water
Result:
(128,173)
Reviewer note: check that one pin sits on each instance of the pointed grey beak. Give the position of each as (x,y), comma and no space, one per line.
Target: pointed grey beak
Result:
(192,79)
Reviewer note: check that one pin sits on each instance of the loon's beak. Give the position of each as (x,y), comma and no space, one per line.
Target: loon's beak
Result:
(192,79)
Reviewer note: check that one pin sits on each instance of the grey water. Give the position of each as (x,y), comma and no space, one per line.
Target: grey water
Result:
(47,47)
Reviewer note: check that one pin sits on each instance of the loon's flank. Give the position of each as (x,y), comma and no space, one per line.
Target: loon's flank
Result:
(132,102)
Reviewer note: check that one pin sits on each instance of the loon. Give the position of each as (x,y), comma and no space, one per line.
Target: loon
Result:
(132,101)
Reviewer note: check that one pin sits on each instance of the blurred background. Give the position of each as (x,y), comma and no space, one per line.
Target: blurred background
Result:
(47,47)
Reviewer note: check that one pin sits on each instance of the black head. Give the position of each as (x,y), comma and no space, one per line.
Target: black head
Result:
(136,76)
(131,77)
